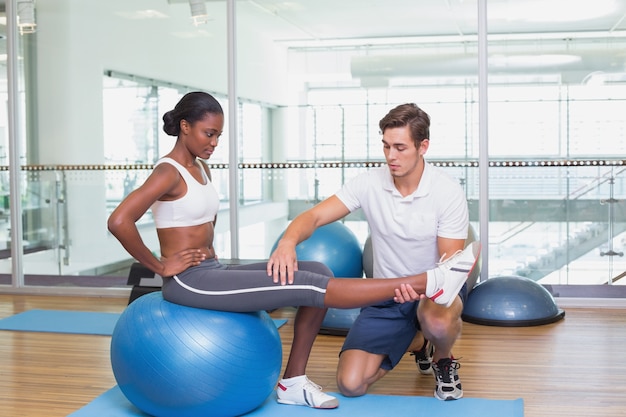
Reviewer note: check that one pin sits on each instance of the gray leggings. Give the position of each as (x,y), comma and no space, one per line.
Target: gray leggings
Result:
(242,288)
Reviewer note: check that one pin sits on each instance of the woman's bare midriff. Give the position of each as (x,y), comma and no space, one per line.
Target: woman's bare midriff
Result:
(176,239)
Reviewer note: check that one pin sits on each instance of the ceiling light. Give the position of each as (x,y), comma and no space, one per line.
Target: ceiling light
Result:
(142,14)
(26,16)
(199,14)
(553,11)
(533,61)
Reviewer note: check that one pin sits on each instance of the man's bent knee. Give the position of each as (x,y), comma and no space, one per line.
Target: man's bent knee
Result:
(351,386)
(357,371)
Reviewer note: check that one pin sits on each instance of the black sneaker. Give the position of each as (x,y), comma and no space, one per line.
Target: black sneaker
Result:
(424,358)
(448,382)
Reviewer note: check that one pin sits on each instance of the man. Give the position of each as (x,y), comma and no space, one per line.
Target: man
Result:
(418,216)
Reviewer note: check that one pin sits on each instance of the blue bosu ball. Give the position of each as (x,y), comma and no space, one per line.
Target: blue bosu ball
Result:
(511,301)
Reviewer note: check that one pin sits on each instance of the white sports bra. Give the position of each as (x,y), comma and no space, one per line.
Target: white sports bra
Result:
(199,205)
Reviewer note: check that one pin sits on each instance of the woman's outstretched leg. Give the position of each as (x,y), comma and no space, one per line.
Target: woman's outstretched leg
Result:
(440,284)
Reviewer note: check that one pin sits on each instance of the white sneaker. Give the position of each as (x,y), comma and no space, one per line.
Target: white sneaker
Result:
(301,390)
(448,385)
(451,274)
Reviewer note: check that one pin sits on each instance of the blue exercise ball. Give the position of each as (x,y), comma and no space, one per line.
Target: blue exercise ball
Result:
(338,321)
(337,247)
(334,245)
(175,361)
(511,301)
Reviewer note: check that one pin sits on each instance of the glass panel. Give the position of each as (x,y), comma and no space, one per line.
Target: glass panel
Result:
(312,89)
(555,97)
(5,215)
(559,232)
(86,129)
(130,121)
(596,128)
(7,233)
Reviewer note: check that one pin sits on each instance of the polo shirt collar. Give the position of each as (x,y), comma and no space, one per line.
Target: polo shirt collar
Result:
(423,188)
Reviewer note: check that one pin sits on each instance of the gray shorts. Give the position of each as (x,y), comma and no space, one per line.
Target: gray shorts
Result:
(386,329)
(242,288)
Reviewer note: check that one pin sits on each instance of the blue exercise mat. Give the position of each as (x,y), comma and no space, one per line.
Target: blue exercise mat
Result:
(113,404)
(63,321)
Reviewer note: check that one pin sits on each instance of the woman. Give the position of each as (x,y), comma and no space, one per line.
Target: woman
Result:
(184,204)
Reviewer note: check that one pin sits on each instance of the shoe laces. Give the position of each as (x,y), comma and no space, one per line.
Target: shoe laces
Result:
(420,355)
(441,260)
(423,353)
(445,369)
(312,385)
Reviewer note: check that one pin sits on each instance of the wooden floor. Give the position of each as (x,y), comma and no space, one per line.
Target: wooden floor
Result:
(575,367)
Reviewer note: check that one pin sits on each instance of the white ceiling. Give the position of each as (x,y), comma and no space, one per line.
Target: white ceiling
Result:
(333,20)
(438,37)
(364,19)
(405,38)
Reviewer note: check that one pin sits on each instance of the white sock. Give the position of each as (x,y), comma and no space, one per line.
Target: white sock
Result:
(431,282)
(292,381)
